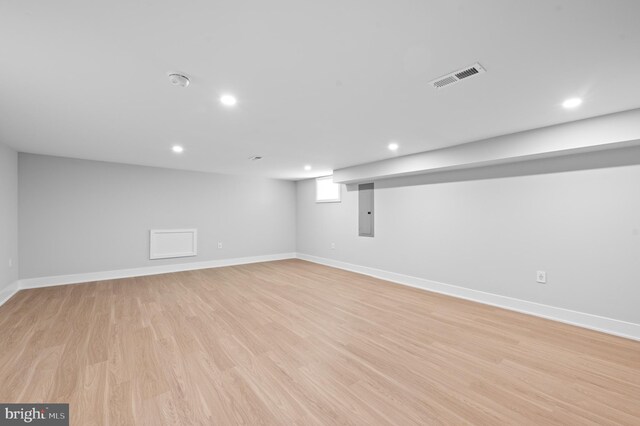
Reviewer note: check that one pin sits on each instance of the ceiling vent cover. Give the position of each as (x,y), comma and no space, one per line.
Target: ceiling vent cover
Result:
(456,76)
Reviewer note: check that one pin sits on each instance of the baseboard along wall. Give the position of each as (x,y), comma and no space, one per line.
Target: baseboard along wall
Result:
(8,292)
(149,270)
(580,319)
(594,322)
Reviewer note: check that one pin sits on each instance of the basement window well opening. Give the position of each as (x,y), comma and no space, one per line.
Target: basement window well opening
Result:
(327,191)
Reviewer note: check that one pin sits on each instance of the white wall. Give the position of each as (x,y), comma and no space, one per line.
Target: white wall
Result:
(79,216)
(486,229)
(490,229)
(8,217)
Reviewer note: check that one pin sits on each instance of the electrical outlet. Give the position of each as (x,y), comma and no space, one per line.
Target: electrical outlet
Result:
(220,245)
(333,246)
(541,277)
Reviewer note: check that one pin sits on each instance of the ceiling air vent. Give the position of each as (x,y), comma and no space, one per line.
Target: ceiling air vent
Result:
(456,76)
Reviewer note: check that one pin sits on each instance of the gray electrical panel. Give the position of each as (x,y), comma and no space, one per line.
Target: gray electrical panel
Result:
(365,210)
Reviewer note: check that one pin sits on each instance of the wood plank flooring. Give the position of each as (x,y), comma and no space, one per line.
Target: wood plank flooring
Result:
(291,342)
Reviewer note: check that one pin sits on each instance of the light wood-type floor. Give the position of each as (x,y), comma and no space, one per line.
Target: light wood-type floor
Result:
(292,342)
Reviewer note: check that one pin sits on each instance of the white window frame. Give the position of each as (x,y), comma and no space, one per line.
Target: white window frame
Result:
(328,200)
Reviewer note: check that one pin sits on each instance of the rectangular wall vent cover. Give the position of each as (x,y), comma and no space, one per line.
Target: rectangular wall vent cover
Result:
(168,243)
(457,76)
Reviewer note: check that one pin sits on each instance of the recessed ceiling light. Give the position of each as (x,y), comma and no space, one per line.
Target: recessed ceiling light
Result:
(228,100)
(393,146)
(572,103)
(177,149)
(307,167)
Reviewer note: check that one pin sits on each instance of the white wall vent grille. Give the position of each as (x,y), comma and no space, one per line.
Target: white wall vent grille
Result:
(168,243)
(457,76)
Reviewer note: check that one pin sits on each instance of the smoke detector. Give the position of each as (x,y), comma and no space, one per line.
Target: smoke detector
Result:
(255,158)
(457,76)
(179,80)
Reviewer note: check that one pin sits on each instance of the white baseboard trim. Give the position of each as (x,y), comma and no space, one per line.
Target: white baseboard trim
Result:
(580,319)
(8,292)
(148,270)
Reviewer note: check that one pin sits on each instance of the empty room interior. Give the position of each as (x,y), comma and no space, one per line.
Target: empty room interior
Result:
(319,213)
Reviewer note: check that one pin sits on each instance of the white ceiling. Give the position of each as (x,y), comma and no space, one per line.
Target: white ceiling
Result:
(327,83)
